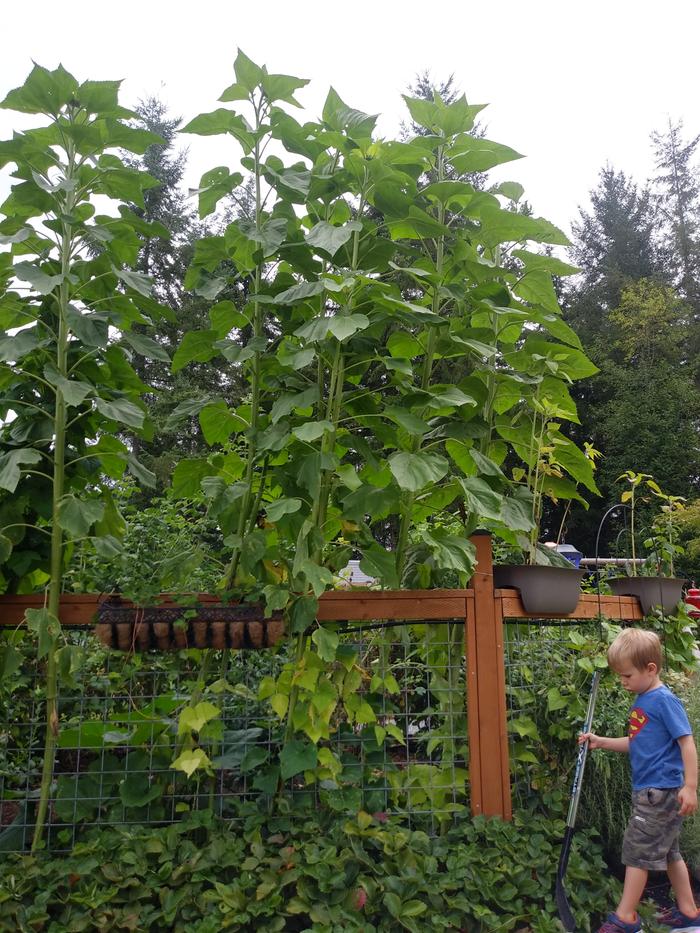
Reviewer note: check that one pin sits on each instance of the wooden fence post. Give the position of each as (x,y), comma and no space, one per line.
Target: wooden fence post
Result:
(489,768)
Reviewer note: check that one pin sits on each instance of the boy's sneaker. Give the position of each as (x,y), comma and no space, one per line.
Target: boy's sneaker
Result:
(675,920)
(613,924)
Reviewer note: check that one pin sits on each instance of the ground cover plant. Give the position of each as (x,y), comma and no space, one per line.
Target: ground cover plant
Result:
(306,871)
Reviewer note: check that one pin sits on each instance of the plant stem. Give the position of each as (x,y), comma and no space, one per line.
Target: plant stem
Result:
(248,501)
(56,558)
(407,499)
(634,549)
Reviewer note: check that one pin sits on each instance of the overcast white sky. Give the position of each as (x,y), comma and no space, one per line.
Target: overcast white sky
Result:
(570,84)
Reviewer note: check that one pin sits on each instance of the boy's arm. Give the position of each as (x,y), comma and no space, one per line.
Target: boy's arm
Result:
(606,742)
(688,794)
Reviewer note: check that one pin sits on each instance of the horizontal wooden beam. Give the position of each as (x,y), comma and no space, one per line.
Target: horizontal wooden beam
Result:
(589,606)
(336,606)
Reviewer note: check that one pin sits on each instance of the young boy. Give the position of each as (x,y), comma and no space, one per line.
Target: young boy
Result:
(664,767)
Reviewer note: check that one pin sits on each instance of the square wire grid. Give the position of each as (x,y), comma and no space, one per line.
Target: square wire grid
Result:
(118,736)
(548,673)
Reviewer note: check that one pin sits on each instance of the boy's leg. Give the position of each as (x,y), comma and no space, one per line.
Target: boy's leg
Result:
(635,882)
(680,882)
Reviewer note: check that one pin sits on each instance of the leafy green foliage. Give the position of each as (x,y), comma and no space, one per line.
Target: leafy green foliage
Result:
(70,375)
(299,871)
(348,413)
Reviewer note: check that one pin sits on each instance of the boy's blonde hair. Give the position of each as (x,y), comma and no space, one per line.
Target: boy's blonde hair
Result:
(637,646)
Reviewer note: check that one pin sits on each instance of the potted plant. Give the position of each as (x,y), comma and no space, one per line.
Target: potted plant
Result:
(554,467)
(656,586)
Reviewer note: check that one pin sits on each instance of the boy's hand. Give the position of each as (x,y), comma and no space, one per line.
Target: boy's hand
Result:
(594,741)
(688,799)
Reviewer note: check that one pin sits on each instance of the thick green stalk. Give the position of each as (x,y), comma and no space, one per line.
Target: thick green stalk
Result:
(248,499)
(408,499)
(334,405)
(333,410)
(56,559)
(536,487)
(634,549)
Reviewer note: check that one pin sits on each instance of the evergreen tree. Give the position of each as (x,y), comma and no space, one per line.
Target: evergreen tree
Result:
(678,193)
(166,260)
(614,244)
(641,410)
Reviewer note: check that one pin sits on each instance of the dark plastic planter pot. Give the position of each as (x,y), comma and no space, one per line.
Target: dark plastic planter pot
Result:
(544,590)
(662,592)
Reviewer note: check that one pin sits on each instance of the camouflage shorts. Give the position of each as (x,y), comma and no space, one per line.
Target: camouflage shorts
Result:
(651,837)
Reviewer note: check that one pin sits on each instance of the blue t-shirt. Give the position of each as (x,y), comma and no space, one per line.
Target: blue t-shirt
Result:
(657,720)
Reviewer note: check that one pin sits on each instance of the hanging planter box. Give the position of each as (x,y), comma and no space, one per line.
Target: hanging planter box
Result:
(166,627)
(542,589)
(172,627)
(652,592)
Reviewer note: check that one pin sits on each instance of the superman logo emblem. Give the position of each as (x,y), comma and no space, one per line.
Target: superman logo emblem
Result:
(638,719)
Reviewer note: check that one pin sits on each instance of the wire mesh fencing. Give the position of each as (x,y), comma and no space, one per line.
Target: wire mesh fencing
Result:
(121,733)
(548,668)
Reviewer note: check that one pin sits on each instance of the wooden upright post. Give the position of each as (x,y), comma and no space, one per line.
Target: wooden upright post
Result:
(489,769)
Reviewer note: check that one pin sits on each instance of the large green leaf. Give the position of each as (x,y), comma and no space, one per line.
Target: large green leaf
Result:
(248,74)
(379,563)
(477,154)
(146,346)
(222,121)
(339,116)
(13,348)
(501,226)
(279,507)
(188,476)
(218,422)
(567,361)
(142,473)
(143,284)
(414,471)
(319,578)
(326,643)
(537,262)
(537,288)
(342,326)
(74,392)
(215,184)
(46,627)
(197,346)
(287,403)
(43,91)
(450,552)
(407,420)
(77,516)
(41,281)
(312,430)
(282,87)
(330,238)
(11,466)
(479,498)
(297,756)
(121,410)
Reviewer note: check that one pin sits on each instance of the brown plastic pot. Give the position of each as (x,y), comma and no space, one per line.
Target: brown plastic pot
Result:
(543,590)
(652,592)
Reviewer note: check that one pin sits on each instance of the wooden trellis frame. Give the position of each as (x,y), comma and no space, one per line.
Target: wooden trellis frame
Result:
(481,608)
